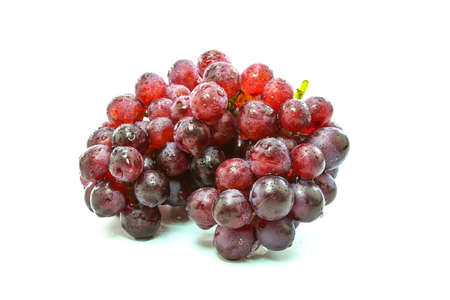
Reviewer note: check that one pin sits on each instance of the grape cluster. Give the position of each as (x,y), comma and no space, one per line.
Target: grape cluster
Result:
(237,151)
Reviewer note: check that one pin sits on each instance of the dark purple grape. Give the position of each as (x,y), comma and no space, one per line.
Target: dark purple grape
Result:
(102,136)
(234,244)
(333,143)
(328,186)
(126,164)
(203,168)
(87,194)
(180,189)
(333,172)
(232,210)
(172,160)
(199,207)
(132,136)
(271,197)
(152,188)
(192,135)
(275,235)
(308,201)
(107,199)
(141,222)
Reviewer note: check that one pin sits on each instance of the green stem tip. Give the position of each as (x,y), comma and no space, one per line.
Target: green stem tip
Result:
(301,90)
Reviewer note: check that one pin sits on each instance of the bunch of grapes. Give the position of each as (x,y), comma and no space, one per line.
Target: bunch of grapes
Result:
(237,151)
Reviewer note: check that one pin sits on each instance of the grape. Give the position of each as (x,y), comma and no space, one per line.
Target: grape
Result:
(333,172)
(102,136)
(289,142)
(84,182)
(203,168)
(308,161)
(270,156)
(149,163)
(152,188)
(87,194)
(192,136)
(172,160)
(333,143)
(232,210)
(160,131)
(294,115)
(184,72)
(277,91)
(235,148)
(94,162)
(160,108)
(271,197)
(209,57)
(125,109)
(132,136)
(257,120)
(180,189)
(234,244)
(149,87)
(199,207)
(308,201)
(176,90)
(321,111)
(181,108)
(108,124)
(141,222)
(234,173)
(223,130)
(106,199)
(126,164)
(275,235)
(327,186)
(208,101)
(254,78)
(225,75)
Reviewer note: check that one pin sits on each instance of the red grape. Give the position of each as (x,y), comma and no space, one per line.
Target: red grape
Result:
(270,156)
(125,109)
(308,161)
(234,173)
(223,130)
(203,167)
(126,164)
(192,136)
(102,136)
(271,197)
(321,111)
(232,210)
(209,57)
(333,172)
(308,201)
(277,91)
(149,87)
(180,189)
(225,75)
(172,160)
(184,72)
(208,101)
(257,120)
(160,108)
(141,222)
(149,163)
(294,115)
(87,194)
(254,78)
(160,131)
(199,207)
(176,90)
(181,108)
(94,163)
(289,142)
(234,244)
(152,188)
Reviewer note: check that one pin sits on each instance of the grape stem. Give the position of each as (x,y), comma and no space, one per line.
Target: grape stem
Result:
(301,90)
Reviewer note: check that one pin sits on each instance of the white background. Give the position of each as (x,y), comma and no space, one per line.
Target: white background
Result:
(384,64)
